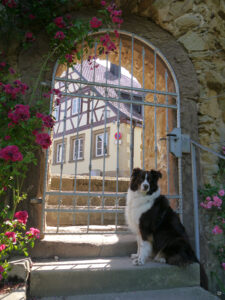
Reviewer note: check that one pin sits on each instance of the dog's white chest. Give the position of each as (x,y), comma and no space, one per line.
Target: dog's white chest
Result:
(137,204)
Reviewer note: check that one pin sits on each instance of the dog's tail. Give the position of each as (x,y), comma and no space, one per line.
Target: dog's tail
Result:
(184,259)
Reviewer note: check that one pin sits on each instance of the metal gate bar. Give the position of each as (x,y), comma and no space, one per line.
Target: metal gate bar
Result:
(131,107)
(120,100)
(143,110)
(167,140)
(104,141)
(63,149)
(117,145)
(91,145)
(155,102)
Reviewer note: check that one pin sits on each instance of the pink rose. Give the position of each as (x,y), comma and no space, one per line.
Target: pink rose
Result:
(221,193)
(29,37)
(69,58)
(217,201)
(223,265)
(59,35)
(21,216)
(48,121)
(2,247)
(217,230)
(9,3)
(20,113)
(11,235)
(11,153)
(1,269)
(43,139)
(33,232)
(95,23)
(59,22)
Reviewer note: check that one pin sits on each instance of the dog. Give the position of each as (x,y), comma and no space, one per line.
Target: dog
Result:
(160,233)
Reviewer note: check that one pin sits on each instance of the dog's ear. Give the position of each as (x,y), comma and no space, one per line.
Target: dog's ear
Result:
(156,174)
(135,172)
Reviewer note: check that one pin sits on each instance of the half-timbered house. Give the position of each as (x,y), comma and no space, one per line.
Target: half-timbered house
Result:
(90,128)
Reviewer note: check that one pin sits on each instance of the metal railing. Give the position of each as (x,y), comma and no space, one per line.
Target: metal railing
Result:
(195,145)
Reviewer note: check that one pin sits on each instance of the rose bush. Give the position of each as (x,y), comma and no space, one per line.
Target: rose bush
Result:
(26,128)
(214,204)
(14,238)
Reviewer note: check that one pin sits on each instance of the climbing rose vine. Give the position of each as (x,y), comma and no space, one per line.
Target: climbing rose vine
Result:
(14,237)
(24,126)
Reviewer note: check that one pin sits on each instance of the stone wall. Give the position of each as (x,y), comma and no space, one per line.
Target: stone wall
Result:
(191,35)
(199,27)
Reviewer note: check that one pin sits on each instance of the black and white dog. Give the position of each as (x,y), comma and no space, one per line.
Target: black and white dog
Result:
(160,234)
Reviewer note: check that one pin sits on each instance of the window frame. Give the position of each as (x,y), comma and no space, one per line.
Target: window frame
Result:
(55,157)
(95,135)
(72,145)
(78,106)
(54,114)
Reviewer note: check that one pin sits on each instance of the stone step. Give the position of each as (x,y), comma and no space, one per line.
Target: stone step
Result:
(67,218)
(184,293)
(84,200)
(106,275)
(83,245)
(82,183)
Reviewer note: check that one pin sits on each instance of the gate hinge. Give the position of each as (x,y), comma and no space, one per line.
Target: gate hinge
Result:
(179,143)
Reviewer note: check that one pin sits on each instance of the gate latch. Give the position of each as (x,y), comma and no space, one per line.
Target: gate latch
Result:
(179,143)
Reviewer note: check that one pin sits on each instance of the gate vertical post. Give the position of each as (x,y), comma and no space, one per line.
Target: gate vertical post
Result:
(195,200)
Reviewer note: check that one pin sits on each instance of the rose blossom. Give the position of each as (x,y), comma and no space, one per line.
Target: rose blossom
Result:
(9,3)
(21,216)
(2,247)
(217,230)
(11,153)
(33,232)
(223,265)
(221,193)
(20,113)
(217,201)
(95,23)
(48,121)
(11,235)
(29,37)
(43,139)
(59,22)
(59,35)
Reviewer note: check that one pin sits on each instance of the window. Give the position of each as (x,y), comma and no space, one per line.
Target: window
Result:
(59,149)
(56,113)
(99,144)
(76,106)
(136,108)
(78,149)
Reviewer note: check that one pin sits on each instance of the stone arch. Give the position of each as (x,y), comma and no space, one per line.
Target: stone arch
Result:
(187,81)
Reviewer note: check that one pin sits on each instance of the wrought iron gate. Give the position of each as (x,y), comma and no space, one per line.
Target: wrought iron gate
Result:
(100,97)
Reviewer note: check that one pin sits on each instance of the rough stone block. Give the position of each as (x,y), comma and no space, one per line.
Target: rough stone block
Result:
(21,268)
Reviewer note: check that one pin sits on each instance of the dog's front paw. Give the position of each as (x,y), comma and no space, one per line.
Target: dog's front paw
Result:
(134,255)
(139,261)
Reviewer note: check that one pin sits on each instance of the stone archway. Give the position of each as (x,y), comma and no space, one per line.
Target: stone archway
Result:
(185,75)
